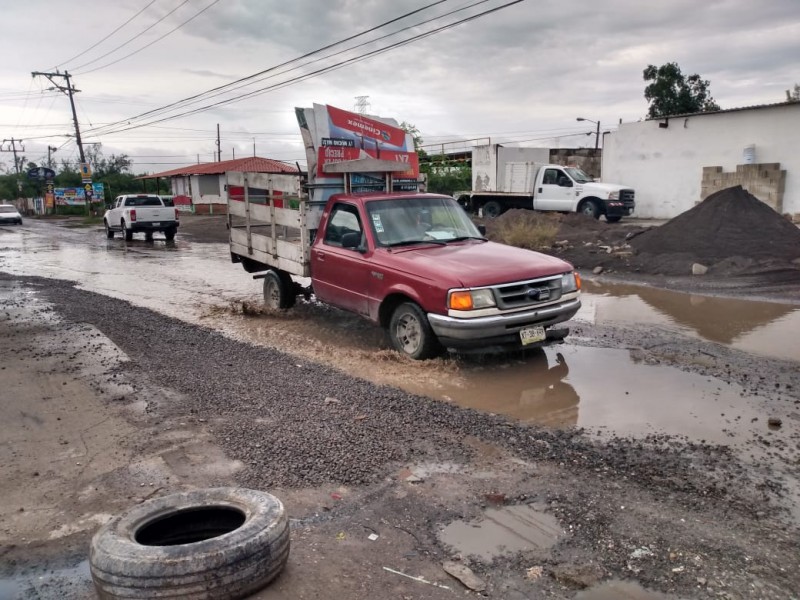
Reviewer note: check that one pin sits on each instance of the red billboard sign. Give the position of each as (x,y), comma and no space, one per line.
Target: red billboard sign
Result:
(364,126)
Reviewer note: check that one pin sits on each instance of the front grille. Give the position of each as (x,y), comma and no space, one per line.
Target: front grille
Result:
(627,197)
(527,293)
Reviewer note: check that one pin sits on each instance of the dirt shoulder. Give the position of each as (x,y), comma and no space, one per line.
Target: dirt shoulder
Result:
(350,458)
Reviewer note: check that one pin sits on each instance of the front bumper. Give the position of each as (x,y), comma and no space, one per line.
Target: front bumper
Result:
(619,209)
(10,220)
(498,330)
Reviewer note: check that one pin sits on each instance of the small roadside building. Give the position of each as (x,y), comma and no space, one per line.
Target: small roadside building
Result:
(201,187)
(675,162)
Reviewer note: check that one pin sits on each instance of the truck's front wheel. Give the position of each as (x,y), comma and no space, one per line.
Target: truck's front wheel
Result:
(411,334)
(278,291)
(590,208)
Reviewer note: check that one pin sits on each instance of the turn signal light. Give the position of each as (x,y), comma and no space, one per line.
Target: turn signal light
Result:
(176,214)
(461,301)
(577,280)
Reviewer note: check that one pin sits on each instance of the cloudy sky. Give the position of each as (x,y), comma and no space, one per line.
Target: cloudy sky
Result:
(520,74)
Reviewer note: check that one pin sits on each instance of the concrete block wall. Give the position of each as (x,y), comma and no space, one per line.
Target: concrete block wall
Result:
(766,181)
(586,159)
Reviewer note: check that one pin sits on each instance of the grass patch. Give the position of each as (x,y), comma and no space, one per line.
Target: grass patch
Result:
(527,229)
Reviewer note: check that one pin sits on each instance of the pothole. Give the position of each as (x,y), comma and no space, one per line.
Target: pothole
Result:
(503,530)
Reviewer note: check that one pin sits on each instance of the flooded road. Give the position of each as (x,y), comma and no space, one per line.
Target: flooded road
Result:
(610,389)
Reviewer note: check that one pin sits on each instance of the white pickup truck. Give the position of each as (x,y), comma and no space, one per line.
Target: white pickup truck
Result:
(132,213)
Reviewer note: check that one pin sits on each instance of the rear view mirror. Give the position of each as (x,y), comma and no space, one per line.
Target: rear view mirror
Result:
(482,229)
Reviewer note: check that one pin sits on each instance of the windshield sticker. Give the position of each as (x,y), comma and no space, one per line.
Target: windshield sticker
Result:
(376,220)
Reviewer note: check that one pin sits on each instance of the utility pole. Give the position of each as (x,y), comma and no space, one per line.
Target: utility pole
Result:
(12,147)
(254,147)
(50,149)
(219,149)
(234,152)
(69,90)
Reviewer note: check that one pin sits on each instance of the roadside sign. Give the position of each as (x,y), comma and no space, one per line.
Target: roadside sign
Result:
(88,191)
(49,188)
(41,173)
(86,173)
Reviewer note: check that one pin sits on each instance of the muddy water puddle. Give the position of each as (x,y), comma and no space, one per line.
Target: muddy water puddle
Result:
(621,590)
(765,328)
(503,530)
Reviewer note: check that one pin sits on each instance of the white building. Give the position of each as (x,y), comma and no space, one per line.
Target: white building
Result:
(664,159)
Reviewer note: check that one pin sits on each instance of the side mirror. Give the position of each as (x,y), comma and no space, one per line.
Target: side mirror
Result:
(351,240)
(482,229)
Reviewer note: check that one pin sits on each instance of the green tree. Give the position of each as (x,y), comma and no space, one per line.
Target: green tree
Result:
(671,93)
(412,129)
(793,95)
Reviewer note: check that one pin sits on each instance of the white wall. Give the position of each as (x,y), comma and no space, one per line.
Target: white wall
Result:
(665,166)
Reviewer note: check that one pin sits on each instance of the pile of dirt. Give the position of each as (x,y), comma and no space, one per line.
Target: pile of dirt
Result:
(728,224)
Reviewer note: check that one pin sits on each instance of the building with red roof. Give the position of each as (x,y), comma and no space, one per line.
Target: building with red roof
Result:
(201,187)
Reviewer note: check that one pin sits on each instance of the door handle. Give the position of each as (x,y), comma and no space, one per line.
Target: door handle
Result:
(320,256)
(540,190)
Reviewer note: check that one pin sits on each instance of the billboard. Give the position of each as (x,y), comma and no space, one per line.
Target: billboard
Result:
(332,135)
(75,196)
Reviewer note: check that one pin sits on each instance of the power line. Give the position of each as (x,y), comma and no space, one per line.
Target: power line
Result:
(254,75)
(138,35)
(171,31)
(93,46)
(326,69)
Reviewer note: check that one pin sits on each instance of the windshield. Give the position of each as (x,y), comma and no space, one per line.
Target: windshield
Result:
(578,175)
(7,209)
(403,221)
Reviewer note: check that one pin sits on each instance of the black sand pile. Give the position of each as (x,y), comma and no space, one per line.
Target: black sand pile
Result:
(731,223)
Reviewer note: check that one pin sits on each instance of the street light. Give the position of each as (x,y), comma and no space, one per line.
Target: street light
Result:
(597,134)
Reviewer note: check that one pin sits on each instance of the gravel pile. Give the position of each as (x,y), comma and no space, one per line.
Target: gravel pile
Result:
(730,223)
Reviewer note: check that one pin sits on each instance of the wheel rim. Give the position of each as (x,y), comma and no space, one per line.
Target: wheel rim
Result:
(588,209)
(491,211)
(409,333)
(273,295)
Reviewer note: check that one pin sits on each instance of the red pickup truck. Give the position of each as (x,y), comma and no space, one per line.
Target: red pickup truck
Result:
(412,262)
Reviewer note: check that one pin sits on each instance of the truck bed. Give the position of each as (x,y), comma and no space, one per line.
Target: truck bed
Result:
(274,236)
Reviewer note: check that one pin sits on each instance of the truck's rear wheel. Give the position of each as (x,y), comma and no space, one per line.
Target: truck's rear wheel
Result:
(590,208)
(278,291)
(127,233)
(109,231)
(169,234)
(411,334)
(492,209)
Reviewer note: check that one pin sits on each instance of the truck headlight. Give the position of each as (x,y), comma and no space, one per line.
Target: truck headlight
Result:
(471,299)
(570,282)
(613,195)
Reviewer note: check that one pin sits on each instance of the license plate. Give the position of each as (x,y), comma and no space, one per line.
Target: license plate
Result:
(531,335)
(155,224)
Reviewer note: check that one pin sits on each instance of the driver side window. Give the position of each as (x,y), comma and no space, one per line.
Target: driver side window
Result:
(551,176)
(344,219)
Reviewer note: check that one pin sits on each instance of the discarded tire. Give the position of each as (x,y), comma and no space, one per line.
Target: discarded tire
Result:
(221,543)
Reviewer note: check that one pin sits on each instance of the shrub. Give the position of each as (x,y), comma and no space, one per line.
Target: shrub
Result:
(525,229)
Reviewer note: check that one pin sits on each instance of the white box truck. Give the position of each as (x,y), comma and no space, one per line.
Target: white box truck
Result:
(504,178)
